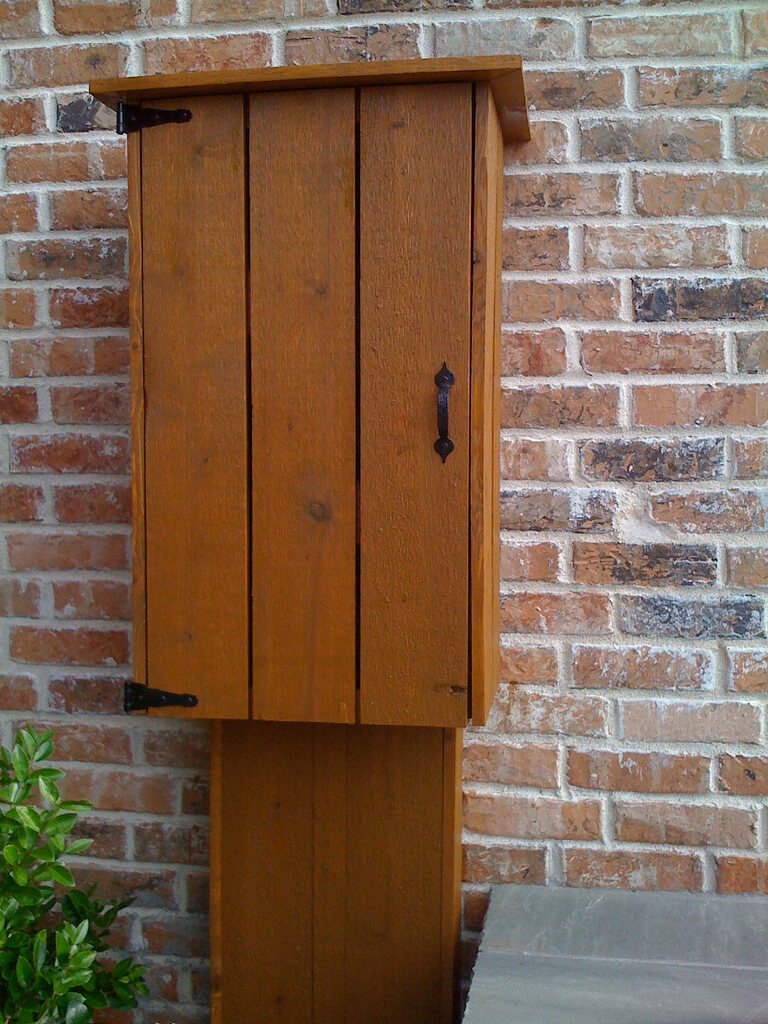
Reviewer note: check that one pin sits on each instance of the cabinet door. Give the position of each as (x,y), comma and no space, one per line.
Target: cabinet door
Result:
(415,265)
(302,198)
(195,498)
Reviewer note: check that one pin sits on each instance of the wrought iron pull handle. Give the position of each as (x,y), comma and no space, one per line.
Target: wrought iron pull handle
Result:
(445,381)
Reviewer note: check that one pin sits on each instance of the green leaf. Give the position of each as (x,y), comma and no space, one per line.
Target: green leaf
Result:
(20,876)
(39,950)
(11,854)
(28,816)
(48,790)
(79,846)
(77,1011)
(24,973)
(20,763)
(75,806)
(60,874)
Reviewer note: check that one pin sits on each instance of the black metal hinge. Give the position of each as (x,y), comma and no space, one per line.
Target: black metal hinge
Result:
(132,118)
(137,697)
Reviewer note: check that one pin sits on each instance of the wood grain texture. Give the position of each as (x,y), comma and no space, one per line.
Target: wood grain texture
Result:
(335,847)
(485,402)
(451,873)
(303,392)
(503,73)
(195,360)
(136,323)
(415,247)
(218,836)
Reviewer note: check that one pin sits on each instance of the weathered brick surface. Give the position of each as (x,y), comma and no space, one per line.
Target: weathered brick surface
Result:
(633,454)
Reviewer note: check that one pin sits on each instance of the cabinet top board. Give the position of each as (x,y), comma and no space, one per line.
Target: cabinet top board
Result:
(504,75)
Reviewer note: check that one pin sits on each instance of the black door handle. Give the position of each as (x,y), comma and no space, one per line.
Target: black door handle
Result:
(445,381)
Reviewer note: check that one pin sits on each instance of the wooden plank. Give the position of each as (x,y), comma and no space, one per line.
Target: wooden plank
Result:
(503,73)
(485,425)
(303,388)
(415,237)
(394,876)
(136,325)
(216,878)
(451,873)
(195,359)
(267,873)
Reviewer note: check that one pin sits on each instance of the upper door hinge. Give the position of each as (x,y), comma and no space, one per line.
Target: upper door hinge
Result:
(132,118)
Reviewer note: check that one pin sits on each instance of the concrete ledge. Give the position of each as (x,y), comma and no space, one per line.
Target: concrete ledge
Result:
(596,956)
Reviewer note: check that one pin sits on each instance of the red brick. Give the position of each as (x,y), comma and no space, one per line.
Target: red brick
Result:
(524,458)
(89,307)
(69,646)
(94,18)
(78,741)
(570,614)
(19,599)
(744,776)
(69,453)
(177,748)
(528,665)
(531,765)
(691,722)
(153,888)
(18,405)
(245,10)
(20,503)
(198,896)
(665,246)
(19,18)
(638,771)
(532,818)
(113,160)
(694,405)
(92,503)
(91,695)
(690,195)
(121,790)
(17,308)
(533,38)
(339,45)
(756,248)
(728,511)
(685,824)
(532,353)
(67,65)
(752,138)
(576,511)
(652,352)
(557,193)
(554,714)
(169,56)
(56,259)
(574,90)
(635,870)
(648,139)
(504,865)
(475,904)
(748,671)
(537,561)
(750,458)
(104,403)
(60,551)
(20,116)
(536,301)
(747,567)
(729,86)
(548,145)
(83,209)
(640,668)
(535,248)
(175,936)
(111,355)
(18,212)
(171,843)
(678,35)
(737,875)
(755,33)
(17,693)
(559,406)
(195,796)
(55,357)
(95,599)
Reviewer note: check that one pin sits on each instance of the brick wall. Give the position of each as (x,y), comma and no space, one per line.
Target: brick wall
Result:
(627,744)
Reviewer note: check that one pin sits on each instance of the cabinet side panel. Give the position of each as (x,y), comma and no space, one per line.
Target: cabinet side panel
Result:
(415,249)
(302,196)
(195,357)
(136,314)
(485,418)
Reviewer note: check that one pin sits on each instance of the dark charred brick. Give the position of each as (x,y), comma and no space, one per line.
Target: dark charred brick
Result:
(714,617)
(752,352)
(577,511)
(657,299)
(682,565)
(687,459)
(83,114)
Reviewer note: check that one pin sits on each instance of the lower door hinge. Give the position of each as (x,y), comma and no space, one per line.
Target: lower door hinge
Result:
(137,697)
(132,118)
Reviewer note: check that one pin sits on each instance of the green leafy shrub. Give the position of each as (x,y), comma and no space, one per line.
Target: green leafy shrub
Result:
(52,934)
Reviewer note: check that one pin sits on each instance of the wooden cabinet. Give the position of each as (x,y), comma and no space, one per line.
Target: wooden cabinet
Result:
(315,265)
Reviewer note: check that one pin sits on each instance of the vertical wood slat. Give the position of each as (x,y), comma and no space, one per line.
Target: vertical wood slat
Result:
(195,357)
(415,238)
(136,322)
(302,195)
(485,407)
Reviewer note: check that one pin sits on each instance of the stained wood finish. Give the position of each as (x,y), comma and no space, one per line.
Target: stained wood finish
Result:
(195,357)
(331,899)
(136,321)
(303,387)
(415,246)
(485,416)
(503,74)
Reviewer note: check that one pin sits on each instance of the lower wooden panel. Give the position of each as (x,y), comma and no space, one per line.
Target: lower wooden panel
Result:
(334,874)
